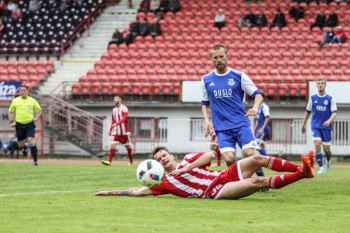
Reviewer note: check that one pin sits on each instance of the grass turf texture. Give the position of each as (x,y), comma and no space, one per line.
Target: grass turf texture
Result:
(59,198)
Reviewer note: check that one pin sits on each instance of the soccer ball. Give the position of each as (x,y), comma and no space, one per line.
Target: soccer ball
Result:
(150,173)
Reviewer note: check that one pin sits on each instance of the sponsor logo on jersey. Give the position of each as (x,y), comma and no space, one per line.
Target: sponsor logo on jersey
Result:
(223,93)
(231,82)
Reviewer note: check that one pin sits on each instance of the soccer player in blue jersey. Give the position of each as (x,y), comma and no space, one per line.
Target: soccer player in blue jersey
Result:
(261,127)
(223,92)
(324,110)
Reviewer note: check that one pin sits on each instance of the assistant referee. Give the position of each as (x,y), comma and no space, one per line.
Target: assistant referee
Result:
(23,112)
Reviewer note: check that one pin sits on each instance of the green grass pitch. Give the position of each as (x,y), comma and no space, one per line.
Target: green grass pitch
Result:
(58,197)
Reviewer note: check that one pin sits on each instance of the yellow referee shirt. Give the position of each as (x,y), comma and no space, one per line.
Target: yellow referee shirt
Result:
(24,109)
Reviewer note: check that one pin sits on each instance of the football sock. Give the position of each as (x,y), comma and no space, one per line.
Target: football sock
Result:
(34,152)
(260,172)
(281,165)
(111,155)
(218,155)
(262,151)
(130,154)
(319,159)
(329,156)
(278,182)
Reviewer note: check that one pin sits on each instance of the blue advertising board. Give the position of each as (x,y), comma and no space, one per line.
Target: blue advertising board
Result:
(8,89)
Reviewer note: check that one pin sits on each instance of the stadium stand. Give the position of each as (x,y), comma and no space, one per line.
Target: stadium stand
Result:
(49,30)
(287,57)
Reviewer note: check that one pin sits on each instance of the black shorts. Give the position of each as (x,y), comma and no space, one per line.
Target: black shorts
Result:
(24,131)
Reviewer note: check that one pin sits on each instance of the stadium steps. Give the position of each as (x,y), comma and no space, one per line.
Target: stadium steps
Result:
(88,49)
(72,124)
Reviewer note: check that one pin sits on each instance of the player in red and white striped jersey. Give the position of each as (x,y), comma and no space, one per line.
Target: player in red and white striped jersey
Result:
(119,130)
(191,178)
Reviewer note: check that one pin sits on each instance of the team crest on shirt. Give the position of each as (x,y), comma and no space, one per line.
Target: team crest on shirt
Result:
(231,82)
(325,102)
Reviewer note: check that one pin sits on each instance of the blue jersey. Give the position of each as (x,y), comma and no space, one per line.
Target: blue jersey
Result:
(224,93)
(322,108)
(263,113)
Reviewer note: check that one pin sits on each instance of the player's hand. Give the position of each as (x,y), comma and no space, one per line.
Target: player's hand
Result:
(260,133)
(13,124)
(303,129)
(35,119)
(179,172)
(326,123)
(251,112)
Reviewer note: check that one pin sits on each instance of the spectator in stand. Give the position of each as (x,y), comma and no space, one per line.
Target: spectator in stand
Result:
(135,27)
(10,6)
(164,6)
(174,6)
(129,38)
(260,20)
(279,20)
(248,20)
(220,21)
(158,16)
(2,27)
(16,12)
(332,20)
(34,5)
(320,20)
(155,29)
(339,37)
(3,7)
(145,27)
(296,12)
(154,6)
(117,38)
(328,37)
(145,6)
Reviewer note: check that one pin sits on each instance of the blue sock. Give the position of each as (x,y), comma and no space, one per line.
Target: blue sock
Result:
(262,151)
(329,156)
(260,172)
(319,159)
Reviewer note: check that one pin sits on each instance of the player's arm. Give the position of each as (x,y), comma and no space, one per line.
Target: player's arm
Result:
(37,116)
(204,159)
(258,99)
(124,117)
(132,192)
(267,119)
(306,117)
(12,119)
(208,127)
(330,120)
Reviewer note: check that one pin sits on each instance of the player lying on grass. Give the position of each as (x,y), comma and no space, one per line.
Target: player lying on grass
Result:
(191,178)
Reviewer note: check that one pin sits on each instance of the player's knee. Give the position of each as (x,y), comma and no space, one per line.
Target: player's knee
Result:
(31,142)
(259,159)
(258,181)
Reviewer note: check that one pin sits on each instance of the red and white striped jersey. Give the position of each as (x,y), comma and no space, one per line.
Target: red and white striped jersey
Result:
(191,184)
(120,115)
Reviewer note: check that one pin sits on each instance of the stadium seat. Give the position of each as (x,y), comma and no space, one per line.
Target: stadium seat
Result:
(293,89)
(96,88)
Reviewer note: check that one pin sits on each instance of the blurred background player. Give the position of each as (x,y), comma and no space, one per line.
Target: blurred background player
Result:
(324,110)
(119,130)
(261,127)
(215,148)
(22,117)
(262,131)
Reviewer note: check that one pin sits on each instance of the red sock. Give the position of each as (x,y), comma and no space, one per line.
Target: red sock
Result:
(111,155)
(281,165)
(130,154)
(277,182)
(218,155)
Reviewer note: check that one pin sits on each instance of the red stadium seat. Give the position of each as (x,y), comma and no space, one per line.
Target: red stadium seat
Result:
(76,89)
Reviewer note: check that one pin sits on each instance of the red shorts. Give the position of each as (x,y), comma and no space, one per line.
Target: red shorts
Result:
(123,139)
(231,174)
